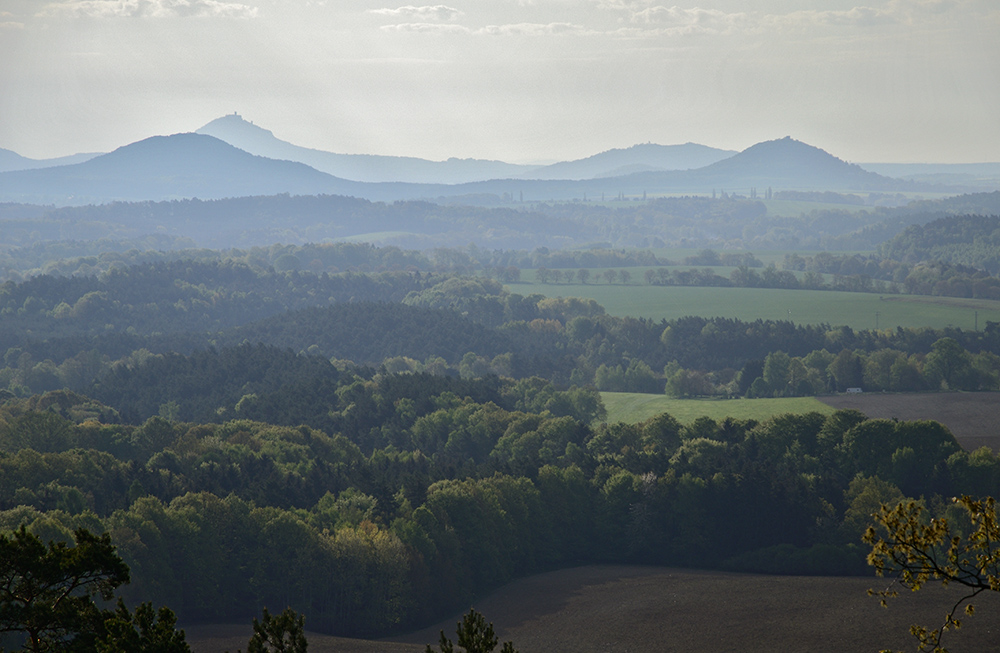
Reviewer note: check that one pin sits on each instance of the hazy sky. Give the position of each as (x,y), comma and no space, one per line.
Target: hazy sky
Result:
(517,80)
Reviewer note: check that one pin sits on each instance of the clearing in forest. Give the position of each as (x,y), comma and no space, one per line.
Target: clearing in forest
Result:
(836,308)
(633,407)
(972,417)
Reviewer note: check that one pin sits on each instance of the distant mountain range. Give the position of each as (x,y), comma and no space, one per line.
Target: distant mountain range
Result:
(167,167)
(14,161)
(357,167)
(236,131)
(785,163)
(647,157)
(199,165)
(969,175)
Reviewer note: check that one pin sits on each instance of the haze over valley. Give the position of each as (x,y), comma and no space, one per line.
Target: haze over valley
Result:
(322,323)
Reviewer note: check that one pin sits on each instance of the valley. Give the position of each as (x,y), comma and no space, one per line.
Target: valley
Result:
(611,412)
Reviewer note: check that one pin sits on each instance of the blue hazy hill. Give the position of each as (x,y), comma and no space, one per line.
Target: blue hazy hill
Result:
(168,167)
(247,136)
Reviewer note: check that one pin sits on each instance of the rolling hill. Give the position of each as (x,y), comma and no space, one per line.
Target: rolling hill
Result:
(168,167)
(979,176)
(10,160)
(200,166)
(245,135)
(784,163)
(236,131)
(646,157)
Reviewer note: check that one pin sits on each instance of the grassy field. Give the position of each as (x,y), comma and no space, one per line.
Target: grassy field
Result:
(796,208)
(970,416)
(632,407)
(856,310)
(615,609)
(767,256)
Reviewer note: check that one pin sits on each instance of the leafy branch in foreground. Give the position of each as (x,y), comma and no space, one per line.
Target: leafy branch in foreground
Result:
(915,550)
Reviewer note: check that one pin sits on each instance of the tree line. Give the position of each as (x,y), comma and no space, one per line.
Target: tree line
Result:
(417,494)
(447,325)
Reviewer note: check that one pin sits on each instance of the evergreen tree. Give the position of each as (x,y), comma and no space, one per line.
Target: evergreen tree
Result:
(474,635)
(284,633)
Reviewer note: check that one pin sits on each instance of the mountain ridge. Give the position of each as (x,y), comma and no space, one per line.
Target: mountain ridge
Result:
(169,167)
(11,161)
(657,158)
(372,168)
(783,163)
(197,165)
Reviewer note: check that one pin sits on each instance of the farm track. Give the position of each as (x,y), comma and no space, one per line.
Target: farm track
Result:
(972,417)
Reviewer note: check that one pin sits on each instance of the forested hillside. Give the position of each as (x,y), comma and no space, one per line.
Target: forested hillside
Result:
(68,332)
(730,220)
(421,493)
(180,296)
(970,240)
(377,437)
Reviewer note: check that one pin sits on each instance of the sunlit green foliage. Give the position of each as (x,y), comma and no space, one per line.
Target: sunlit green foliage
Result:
(915,550)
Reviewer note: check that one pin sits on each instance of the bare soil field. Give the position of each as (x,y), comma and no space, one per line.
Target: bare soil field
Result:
(621,609)
(973,417)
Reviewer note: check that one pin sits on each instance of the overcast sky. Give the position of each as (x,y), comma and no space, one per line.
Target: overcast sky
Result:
(515,80)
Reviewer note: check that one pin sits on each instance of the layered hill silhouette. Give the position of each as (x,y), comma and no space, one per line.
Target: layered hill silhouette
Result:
(785,163)
(247,136)
(10,160)
(236,131)
(168,167)
(200,166)
(646,157)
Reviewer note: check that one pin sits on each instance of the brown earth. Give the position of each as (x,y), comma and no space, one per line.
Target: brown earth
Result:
(972,417)
(620,609)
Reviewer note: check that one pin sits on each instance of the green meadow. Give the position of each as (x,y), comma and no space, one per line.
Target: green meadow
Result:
(856,310)
(632,407)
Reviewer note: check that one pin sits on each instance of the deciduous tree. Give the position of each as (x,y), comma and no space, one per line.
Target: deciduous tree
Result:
(914,551)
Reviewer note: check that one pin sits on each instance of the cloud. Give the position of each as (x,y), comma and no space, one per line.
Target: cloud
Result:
(6,21)
(421,14)
(149,9)
(930,6)
(518,29)
(426,28)
(855,17)
(645,19)
(533,29)
(690,21)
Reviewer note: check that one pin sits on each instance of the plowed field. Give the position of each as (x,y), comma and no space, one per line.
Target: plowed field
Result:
(619,609)
(973,417)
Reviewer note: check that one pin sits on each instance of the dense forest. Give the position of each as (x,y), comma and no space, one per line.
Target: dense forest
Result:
(969,240)
(70,332)
(729,221)
(376,436)
(420,493)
